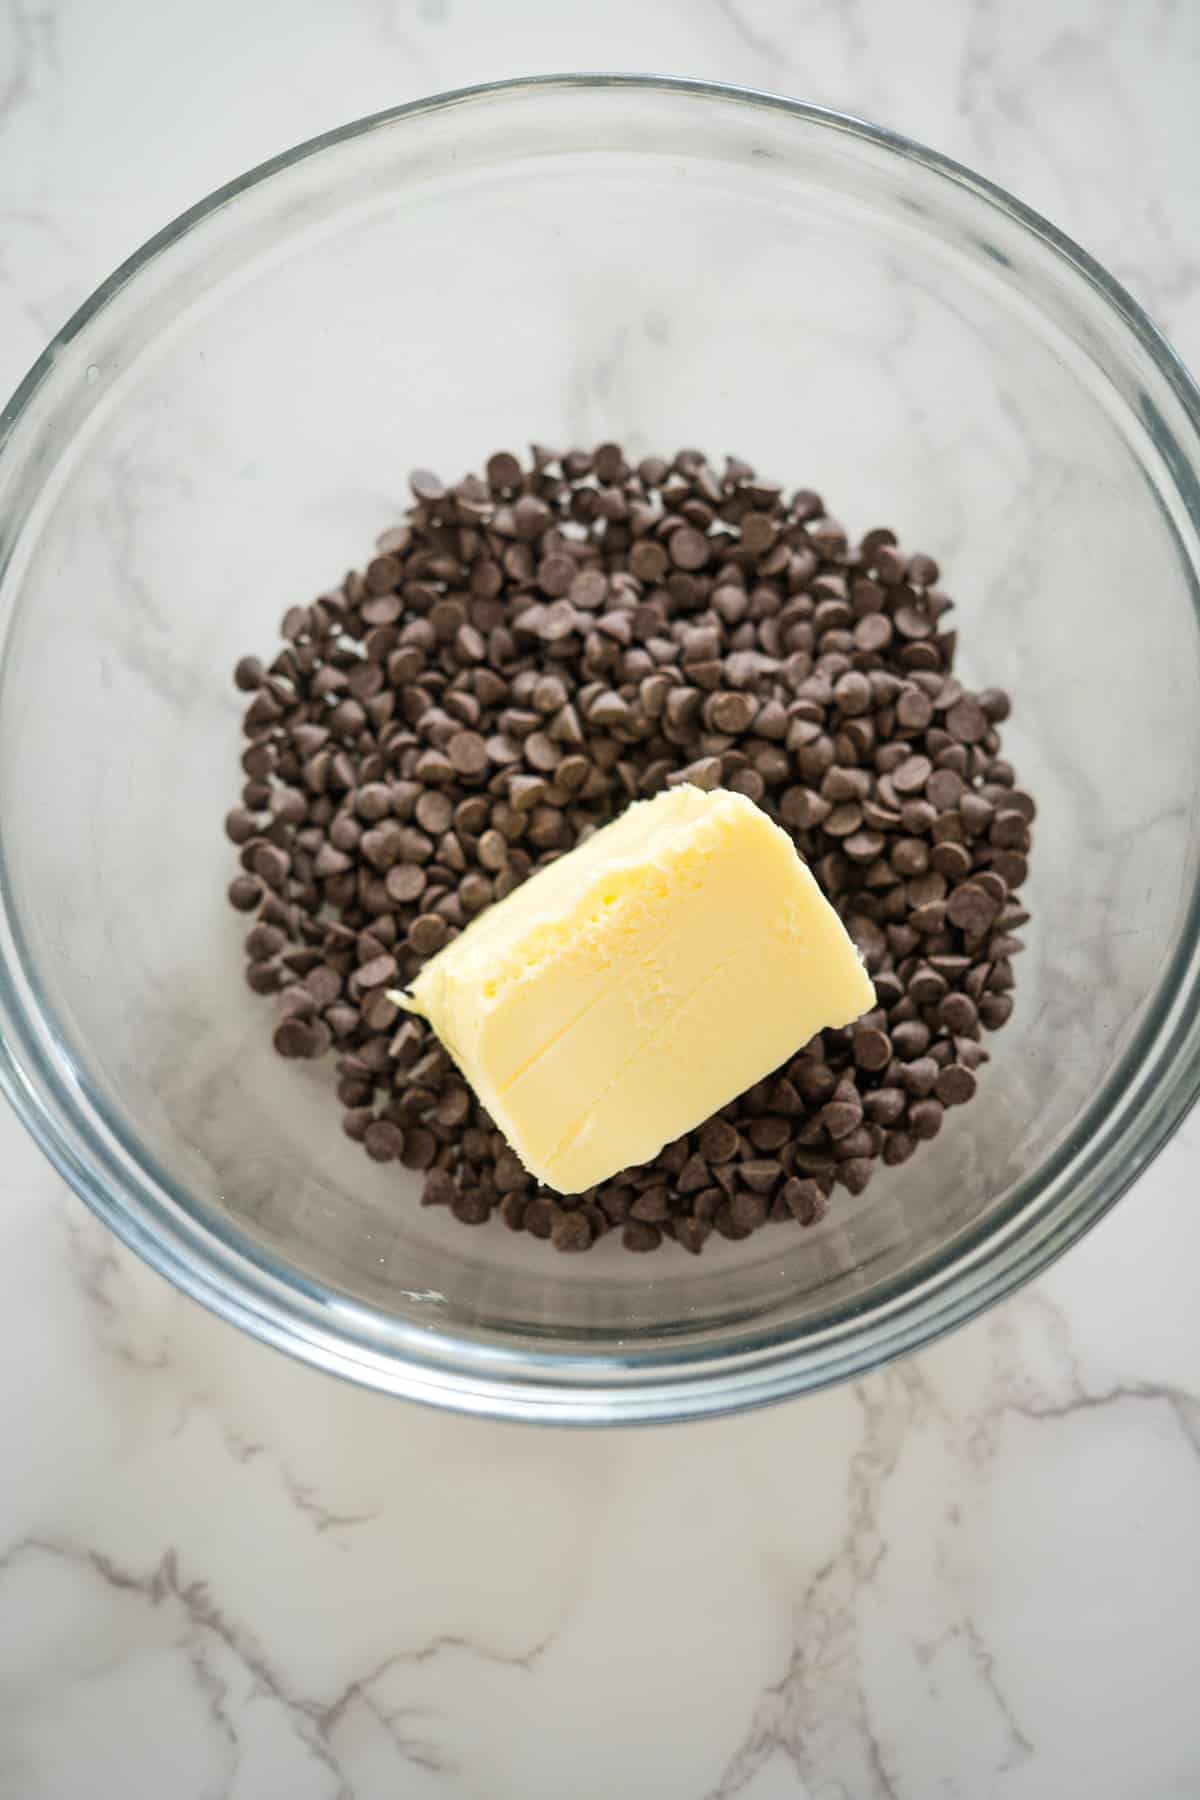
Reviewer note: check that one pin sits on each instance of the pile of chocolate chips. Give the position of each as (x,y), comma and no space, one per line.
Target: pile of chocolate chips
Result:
(526,654)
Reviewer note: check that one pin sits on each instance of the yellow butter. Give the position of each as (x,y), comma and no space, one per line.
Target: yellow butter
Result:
(634,987)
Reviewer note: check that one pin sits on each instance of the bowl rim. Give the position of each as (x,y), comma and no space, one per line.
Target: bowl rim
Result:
(341,1336)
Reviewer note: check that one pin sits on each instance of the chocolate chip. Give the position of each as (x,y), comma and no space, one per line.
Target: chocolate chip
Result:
(995,1009)
(910,856)
(804,1200)
(944,789)
(1009,831)
(925,1118)
(914,710)
(689,549)
(653,1204)
(748,1210)
(843,821)
(468,753)
(872,1048)
(958,1015)
(910,1038)
(648,561)
(917,1077)
(426,485)
(971,908)
(503,471)
(840,1117)
(293,1037)
(912,775)
(926,986)
(474,1207)
(955,1085)
(691,1234)
(760,1174)
(1011,866)
(383,1141)
(374,973)
(855,1172)
(873,633)
(884,1105)
(967,722)
(718,1141)
(420,1148)
(427,934)
(852,693)
(729,713)
(245,893)
(571,1231)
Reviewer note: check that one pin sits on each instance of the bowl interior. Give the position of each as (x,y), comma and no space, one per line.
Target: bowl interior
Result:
(565,264)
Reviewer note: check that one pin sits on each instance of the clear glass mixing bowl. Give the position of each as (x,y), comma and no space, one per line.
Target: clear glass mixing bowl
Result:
(222,430)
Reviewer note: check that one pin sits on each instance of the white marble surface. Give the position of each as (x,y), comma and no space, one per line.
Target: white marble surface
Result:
(221,1575)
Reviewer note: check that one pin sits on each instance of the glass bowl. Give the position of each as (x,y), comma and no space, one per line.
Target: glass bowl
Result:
(225,426)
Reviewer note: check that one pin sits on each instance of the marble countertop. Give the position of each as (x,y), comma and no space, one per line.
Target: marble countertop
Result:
(225,1577)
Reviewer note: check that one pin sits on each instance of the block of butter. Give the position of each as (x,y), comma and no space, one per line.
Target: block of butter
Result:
(629,990)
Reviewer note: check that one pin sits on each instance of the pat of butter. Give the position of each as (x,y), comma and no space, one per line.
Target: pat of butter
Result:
(634,987)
